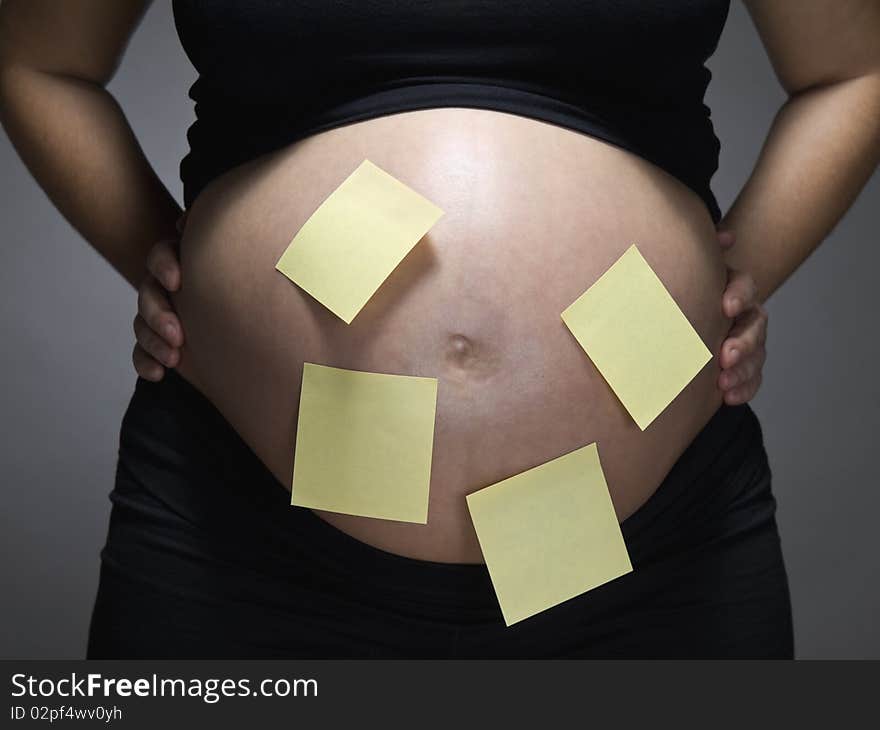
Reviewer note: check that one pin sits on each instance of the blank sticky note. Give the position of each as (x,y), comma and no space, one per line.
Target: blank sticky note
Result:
(549,534)
(364,443)
(638,338)
(355,239)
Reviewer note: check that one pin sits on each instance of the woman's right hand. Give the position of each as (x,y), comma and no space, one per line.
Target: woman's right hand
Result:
(157,329)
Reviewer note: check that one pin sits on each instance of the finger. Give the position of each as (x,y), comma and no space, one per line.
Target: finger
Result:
(747,334)
(736,349)
(146,366)
(164,264)
(726,237)
(744,393)
(740,293)
(154,307)
(154,345)
(746,371)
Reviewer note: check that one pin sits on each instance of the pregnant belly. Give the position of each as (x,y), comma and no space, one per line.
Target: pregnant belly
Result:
(534,214)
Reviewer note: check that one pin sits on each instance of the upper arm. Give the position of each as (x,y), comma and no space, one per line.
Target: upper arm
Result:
(814,42)
(80,38)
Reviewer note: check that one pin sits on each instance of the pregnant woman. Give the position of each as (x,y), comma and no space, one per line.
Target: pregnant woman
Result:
(554,135)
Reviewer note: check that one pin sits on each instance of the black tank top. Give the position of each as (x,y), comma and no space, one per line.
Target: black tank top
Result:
(630,72)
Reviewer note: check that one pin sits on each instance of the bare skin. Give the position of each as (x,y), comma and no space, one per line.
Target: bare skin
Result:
(477,303)
(159,334)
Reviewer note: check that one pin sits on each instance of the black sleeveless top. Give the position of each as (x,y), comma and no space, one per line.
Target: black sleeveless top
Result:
(630,72)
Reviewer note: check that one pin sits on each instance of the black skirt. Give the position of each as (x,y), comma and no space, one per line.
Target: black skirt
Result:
(205,558)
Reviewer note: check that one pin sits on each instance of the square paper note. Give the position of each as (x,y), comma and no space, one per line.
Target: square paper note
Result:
(355,239)
(364,443)
(638,338)
(549,534)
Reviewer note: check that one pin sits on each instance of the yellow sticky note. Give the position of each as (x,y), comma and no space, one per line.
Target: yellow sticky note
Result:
(638,338)
(549,533)
(355,239)
(364,443)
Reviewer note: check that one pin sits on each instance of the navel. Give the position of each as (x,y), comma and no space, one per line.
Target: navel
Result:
(467,357)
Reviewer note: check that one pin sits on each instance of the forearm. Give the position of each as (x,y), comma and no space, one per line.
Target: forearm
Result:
(74,139)
(822,148)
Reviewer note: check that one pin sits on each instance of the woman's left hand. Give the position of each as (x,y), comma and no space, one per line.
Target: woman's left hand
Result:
(743,352)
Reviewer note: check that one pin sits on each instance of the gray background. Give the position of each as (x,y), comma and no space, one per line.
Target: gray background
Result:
(66,371)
